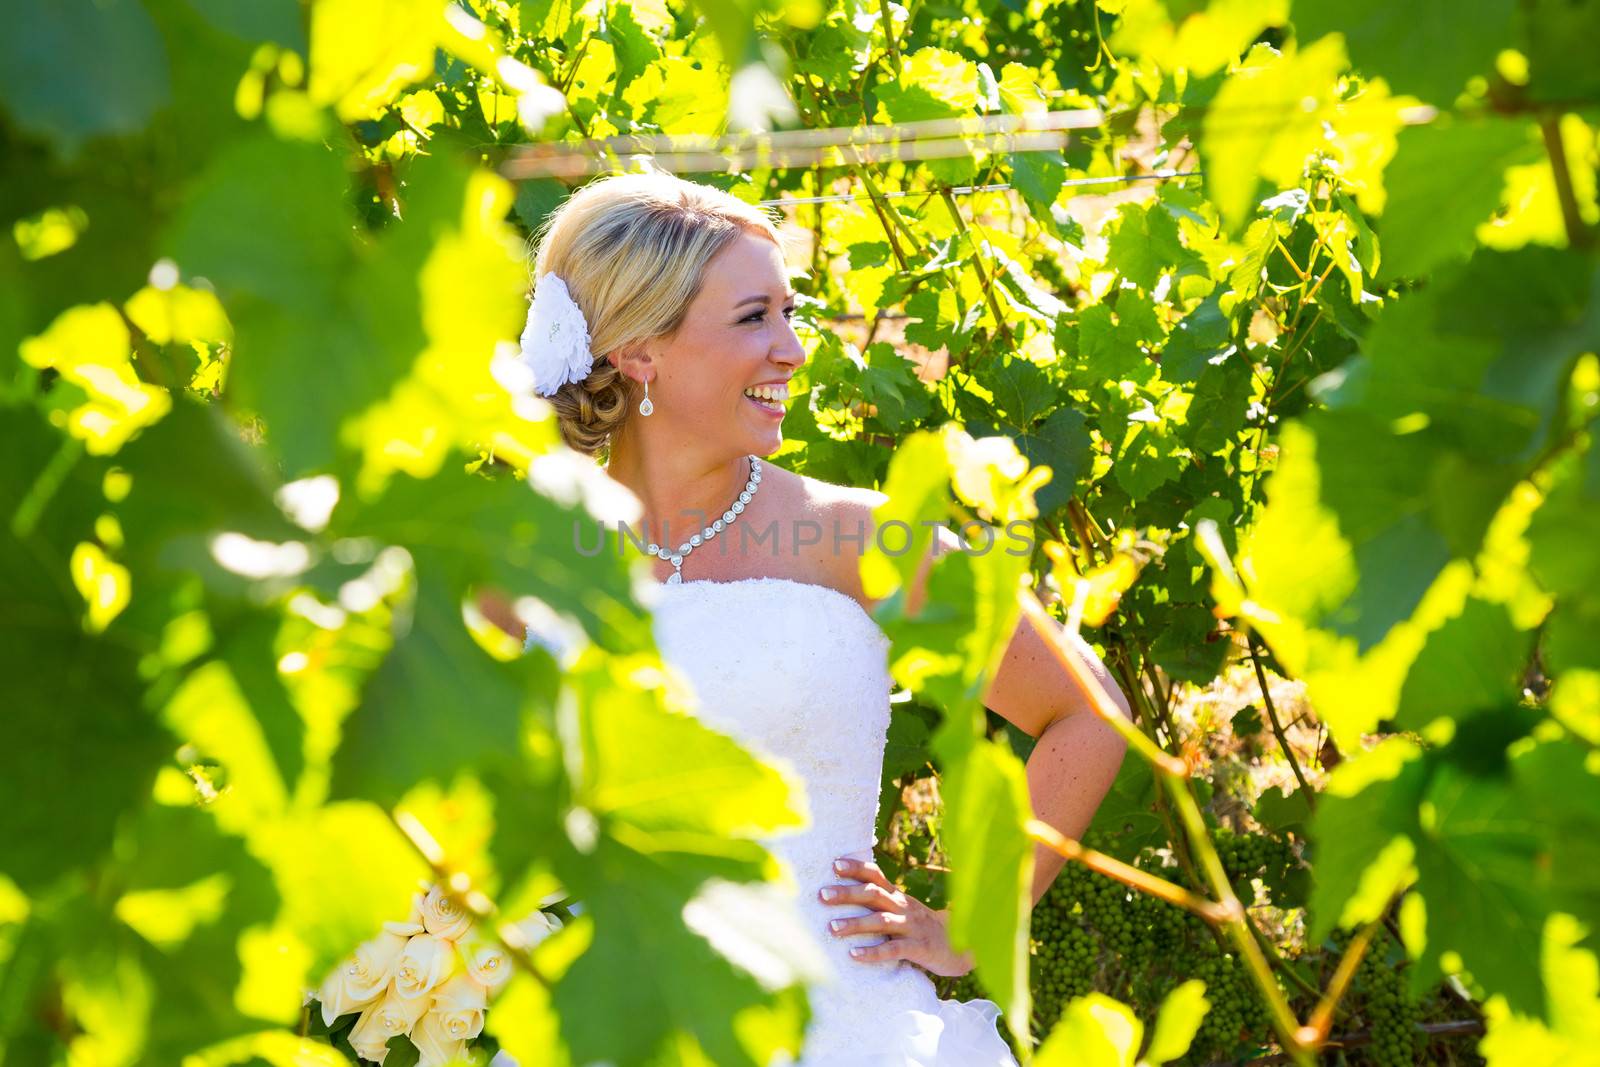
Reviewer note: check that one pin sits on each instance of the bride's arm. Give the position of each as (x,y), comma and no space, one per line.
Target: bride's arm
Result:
(1077,754)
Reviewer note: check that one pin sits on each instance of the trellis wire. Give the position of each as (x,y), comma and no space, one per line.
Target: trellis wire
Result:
(965,190)
(1039,131)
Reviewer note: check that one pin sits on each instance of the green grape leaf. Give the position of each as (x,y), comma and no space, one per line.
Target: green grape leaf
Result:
(1381,39)
(635,48)
(1477,861)
(1547,32)
(985,790)
(906,747)
(1283,812)
(668,981)
(1145,446)
(1220,404)
(77,69)
(257,20)
(408,726)
(1488,372)
(1196,341)
(1258,124)
(890,382)
(1359,526)
(553,537)
(656,795)
(1178,1020)
(1473,662)
(1039,177)
(1572,986)
(1145,244)
(1558,786)
(1093,1031)
(1107,346)
(917,492)
(311,301)
(1021,388)
(193,893)
(342,870)
(1446,179)
(934,83)
(933,309)
(361,72)
(1561,539)
(1128,812)
(1199,36)
(1189,647)
(86,749)
(1062,443)
(1363,833)
(194,478)
(667,772)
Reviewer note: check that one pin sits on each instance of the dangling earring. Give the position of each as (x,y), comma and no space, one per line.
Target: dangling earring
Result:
(645,407)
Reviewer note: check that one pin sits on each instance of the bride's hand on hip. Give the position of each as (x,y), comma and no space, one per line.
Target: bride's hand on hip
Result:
(915,931)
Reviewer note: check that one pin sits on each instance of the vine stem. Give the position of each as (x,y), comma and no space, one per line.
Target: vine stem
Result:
(1129,875)
(977,263)
(1229,913)
(1277,728)
(1454,1027)
(1099,700)
(1237,924)
(1180,848)
(458,886)
(1579,235)
(888,33)
(1277,961)
(888,218)
(1315,1033)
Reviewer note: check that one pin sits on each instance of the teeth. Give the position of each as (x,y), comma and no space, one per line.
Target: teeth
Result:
(770,393)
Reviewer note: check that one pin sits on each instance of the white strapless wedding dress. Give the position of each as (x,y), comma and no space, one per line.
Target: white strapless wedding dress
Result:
(798,672)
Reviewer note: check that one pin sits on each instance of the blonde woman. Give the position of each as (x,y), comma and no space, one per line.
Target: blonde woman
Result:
(660,331)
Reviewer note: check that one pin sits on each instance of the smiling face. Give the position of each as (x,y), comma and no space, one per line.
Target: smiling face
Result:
(735,336)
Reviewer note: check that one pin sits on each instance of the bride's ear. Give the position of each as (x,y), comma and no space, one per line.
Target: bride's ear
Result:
(634,361)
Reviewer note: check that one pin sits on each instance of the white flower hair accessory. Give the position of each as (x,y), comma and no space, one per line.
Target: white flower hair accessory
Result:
(555,342)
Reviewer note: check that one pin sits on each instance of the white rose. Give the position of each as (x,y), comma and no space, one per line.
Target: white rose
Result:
(443,917)
(436,1046)
(397,1014)
(392,1015)
(459,1003)
(367,1039)
(425,962)
(486,962)
(360,979)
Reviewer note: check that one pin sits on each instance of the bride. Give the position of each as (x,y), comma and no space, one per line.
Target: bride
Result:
(660,331)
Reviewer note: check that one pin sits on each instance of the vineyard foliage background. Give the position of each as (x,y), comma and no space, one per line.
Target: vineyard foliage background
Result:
(1319,406)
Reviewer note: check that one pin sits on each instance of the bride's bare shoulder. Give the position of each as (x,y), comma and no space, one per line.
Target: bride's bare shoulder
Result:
(846,515)
(818,498)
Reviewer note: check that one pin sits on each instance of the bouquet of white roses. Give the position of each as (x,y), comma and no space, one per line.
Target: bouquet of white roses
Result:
(429,978)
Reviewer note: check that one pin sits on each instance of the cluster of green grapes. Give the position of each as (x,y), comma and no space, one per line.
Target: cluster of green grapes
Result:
(1237,1013)
(1064,955)
(1091,932)
(1391,1015)
(1252,855)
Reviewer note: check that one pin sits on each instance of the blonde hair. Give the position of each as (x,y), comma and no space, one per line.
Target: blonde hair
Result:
(633,250)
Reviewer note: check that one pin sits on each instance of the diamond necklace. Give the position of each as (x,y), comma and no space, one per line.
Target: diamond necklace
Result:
(733,512)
